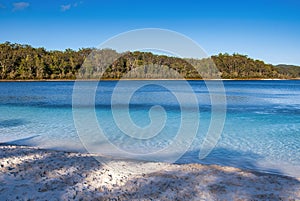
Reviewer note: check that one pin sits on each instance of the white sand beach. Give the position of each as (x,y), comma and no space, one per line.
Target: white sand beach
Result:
(28,173)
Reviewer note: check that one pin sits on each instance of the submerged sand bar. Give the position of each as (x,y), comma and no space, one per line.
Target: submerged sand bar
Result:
(28,173)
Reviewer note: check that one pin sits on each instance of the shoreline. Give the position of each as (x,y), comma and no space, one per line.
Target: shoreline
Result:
(34,173)
(108,157)
(94,80)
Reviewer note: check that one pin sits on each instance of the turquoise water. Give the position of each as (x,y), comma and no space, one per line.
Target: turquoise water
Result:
(261,131)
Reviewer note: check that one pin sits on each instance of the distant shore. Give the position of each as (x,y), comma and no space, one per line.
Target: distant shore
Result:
(37,174)
(93,80)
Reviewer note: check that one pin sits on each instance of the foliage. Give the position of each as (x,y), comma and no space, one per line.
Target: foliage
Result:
(288,70)
(25,62)
(18,62)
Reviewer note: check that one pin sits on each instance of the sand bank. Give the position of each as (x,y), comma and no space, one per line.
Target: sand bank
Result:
(28,173)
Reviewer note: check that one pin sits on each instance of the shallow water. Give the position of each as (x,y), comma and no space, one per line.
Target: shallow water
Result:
(261,131)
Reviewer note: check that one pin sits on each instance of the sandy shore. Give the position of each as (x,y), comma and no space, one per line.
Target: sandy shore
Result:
(28,173)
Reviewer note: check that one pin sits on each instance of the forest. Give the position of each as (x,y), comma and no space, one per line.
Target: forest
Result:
(24,62)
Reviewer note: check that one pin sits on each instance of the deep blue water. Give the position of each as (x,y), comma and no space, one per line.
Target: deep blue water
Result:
(261,130)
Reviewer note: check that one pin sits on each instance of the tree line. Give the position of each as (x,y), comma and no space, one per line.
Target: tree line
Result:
(24,62)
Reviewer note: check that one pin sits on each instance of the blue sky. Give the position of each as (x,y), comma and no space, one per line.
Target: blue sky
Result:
(262,29)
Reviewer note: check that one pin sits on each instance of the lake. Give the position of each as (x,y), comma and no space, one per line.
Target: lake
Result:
(261,130)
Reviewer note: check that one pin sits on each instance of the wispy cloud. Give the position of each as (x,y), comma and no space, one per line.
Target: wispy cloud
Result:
(65,7)
(69,6)
(2,6)
(20,6)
